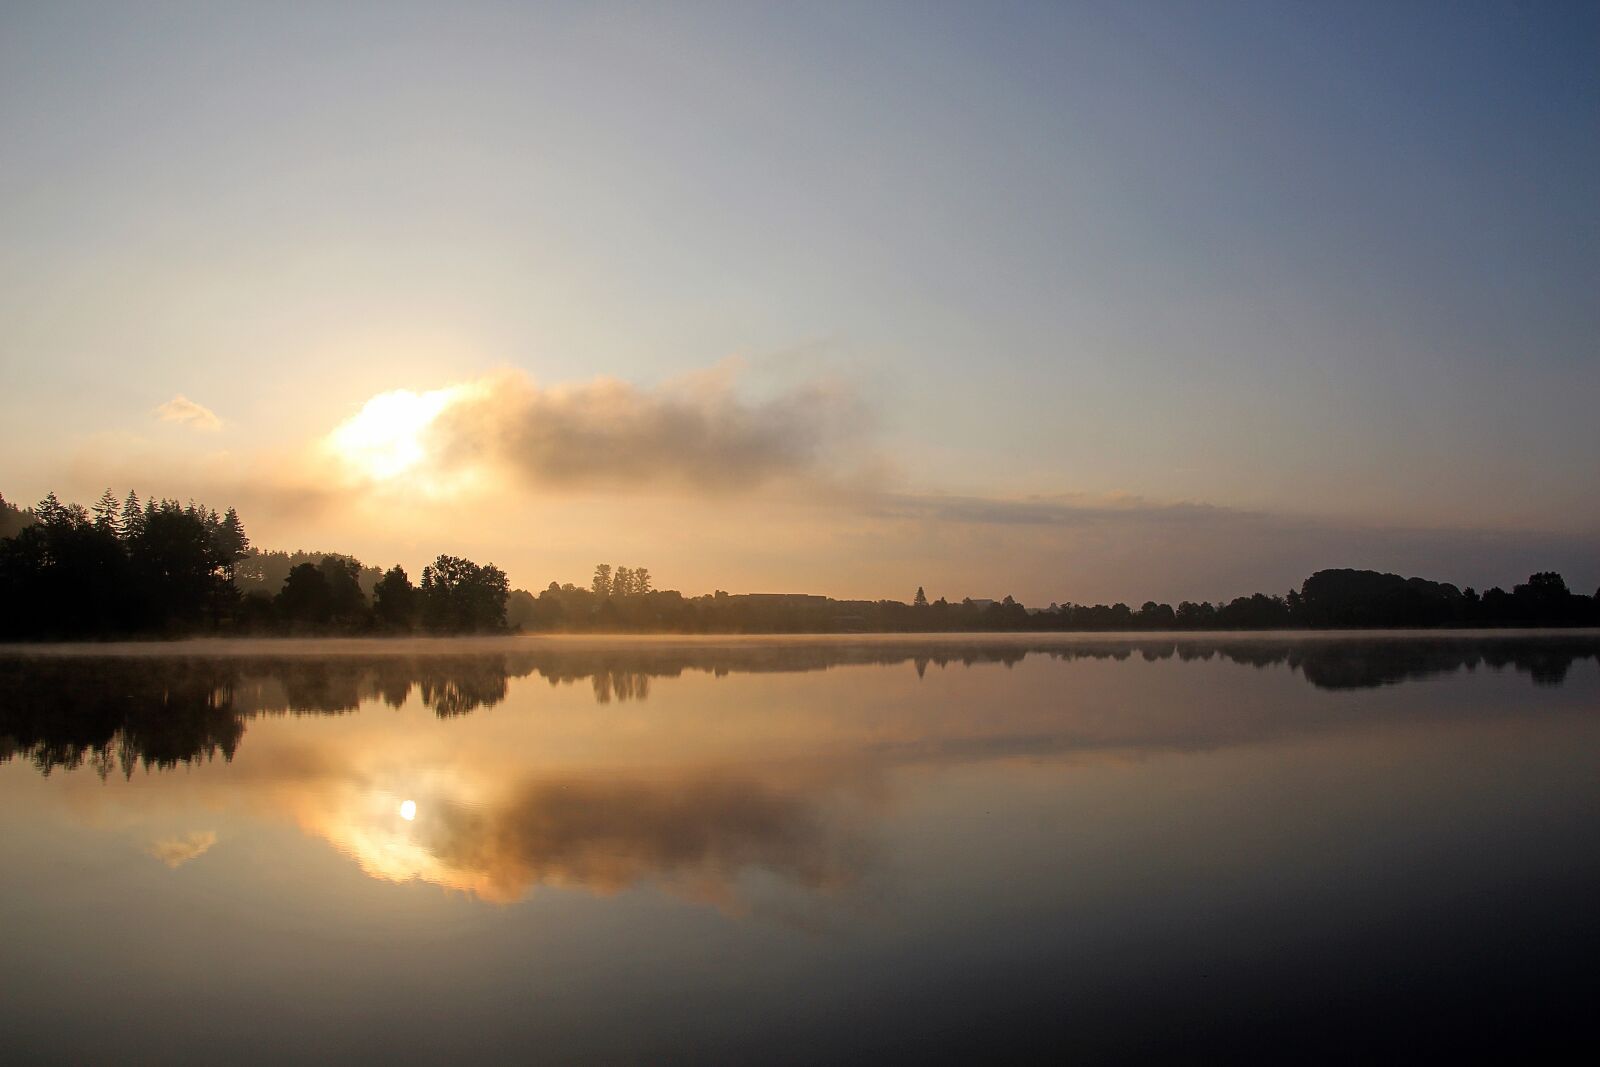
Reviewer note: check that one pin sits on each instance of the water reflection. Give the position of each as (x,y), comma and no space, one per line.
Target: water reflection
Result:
(680,850)
(696,796)
(134,707)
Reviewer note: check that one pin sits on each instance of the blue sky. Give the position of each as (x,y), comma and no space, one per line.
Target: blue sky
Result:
(1328,264)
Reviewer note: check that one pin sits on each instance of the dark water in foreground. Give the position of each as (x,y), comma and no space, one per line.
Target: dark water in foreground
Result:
(657,850)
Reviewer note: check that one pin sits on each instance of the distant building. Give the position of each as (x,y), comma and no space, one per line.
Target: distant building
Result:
(980,602)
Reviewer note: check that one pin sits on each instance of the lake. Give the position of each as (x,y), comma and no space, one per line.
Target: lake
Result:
(1069,848)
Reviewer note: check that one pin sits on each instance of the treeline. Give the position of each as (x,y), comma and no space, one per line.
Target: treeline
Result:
(130,568)
(1329,599)
(119,568)
(159,567)
(455,596)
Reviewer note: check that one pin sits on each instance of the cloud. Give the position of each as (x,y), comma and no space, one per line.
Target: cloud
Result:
(696,434)
(180,409)
(176,851)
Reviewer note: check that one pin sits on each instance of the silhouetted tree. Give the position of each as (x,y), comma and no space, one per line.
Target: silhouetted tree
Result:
(305,597)
(920,600)
(602,580)
(1153,616)
(394,602)
(459,596)
(132,516)
(231,540)
(1193,616)
(108,513)
(179,570)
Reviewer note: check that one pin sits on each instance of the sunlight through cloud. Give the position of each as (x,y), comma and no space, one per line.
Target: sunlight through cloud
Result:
(385,438)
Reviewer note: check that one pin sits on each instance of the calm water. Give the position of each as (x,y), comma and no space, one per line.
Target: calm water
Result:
(664,850)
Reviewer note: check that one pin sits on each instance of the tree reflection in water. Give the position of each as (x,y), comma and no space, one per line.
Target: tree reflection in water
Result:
(156,710)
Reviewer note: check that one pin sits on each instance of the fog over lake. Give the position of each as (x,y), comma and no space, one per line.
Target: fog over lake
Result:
(682,849)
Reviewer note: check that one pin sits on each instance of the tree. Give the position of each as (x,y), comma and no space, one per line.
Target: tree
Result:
(1545,598)
(1546,585)
(108,513)
(921,599)
(641,580)
(305,597)
(1194,616)
(132,516)
(231,540)
(622,582)
(179,572)
(50,510)
(459,596)
(394,601)
(347,605)
(602,580)
(1153,616)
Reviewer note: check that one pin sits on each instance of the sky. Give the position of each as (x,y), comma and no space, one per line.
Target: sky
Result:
(1064,301)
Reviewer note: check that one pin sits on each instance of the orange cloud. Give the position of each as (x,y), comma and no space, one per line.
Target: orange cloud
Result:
(185,412)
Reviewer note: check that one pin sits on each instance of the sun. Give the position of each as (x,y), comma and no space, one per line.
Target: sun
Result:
(386,438)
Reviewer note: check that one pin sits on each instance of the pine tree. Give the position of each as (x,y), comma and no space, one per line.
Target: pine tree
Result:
(231,533)
(132,517)
(921,599)
(602,580)
(107,512)
(50,510)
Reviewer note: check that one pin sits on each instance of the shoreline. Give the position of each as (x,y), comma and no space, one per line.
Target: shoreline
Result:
(486,643)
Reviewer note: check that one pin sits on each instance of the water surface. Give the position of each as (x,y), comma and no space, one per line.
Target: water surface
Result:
(656,850)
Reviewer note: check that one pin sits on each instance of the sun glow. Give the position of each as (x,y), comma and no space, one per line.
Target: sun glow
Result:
(408,810)
(386,438)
